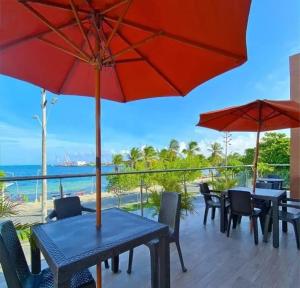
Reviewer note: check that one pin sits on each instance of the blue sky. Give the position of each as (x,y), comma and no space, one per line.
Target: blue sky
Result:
(273,35)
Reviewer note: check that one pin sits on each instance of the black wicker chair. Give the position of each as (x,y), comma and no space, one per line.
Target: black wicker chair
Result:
(212,200)
(241,204)
(69,207)
(16,270)
(169,214)
(292,217)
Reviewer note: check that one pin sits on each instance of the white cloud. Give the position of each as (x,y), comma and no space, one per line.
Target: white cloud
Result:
(21,145)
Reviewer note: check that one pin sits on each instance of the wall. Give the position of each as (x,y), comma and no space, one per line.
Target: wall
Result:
(295,133)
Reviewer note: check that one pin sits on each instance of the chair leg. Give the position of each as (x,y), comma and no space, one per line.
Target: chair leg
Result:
(130,261)
(297,233)
(234,221)
(270,225)
(229,224)
(106,264)
(266,227)
(239,219)
(262,223)
(180,256)
(255,228)
(154,266)
(205,215)
(213,213)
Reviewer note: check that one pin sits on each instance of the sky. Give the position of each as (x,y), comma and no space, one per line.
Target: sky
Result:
(273,35)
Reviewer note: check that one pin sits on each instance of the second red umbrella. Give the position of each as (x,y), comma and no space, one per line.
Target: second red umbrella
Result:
(257,116)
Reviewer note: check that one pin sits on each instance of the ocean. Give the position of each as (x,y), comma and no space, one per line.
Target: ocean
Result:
(31,190)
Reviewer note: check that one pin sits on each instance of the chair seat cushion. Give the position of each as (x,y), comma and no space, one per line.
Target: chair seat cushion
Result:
(256,211)
(213,203)
(81,279)
(288,216)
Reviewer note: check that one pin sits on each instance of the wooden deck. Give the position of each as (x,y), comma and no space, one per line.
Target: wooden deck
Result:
(213,260)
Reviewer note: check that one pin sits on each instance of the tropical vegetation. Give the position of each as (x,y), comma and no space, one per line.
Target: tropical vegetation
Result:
(274,149)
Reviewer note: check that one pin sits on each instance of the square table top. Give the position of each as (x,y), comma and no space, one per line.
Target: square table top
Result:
(262,193)
(75,243)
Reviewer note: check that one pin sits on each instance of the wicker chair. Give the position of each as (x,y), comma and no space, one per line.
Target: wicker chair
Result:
(69,207)
(169,214)
(16,270)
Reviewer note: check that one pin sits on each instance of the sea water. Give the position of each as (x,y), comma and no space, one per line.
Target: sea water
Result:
(31,190)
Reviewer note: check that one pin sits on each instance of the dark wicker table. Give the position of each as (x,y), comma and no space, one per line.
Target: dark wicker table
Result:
(74,243)
(275,196)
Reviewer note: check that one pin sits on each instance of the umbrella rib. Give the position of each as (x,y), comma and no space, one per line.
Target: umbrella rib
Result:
(28,38)
(115,70)
(284,113)
(115,29)
(72,66)
(55,30)
(75,12)
(124,61)
(54,5)
(161,74)
(114,6)
(131,47)
(63,50)
(177,38)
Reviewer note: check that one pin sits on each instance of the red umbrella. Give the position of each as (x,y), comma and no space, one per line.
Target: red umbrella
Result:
(136,49)
(257,116)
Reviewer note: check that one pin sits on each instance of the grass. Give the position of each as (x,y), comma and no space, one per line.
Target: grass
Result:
(135,206)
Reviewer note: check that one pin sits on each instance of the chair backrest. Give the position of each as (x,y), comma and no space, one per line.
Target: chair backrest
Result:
(67,207)
(240,202)
(204,189)
(264,185)
(274,176)
(169,212)
(12,257)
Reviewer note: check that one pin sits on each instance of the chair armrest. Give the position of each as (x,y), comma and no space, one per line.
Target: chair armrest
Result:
(291,200)
(212,195)
(290,206)
(51,216)
(86,209)
(219,192)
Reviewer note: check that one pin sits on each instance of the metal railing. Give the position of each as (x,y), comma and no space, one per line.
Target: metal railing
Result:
(243,176)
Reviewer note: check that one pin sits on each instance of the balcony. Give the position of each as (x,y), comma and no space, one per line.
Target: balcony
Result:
(212,259)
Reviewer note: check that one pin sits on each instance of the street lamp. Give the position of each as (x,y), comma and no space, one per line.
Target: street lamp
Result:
(43,124)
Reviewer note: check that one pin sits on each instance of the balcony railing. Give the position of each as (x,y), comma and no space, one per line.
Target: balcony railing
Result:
(65,184)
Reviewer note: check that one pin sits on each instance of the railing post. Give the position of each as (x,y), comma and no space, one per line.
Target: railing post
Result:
(185,192)
(141,196)
(61,189)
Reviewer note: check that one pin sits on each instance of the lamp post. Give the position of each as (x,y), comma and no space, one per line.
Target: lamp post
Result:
(43,124)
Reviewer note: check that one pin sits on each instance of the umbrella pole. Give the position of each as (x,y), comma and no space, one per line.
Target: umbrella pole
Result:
(255,161)
(98,163)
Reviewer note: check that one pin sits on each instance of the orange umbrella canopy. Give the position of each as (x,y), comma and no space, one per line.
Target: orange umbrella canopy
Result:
(149,48)
(260,115)
(257,116)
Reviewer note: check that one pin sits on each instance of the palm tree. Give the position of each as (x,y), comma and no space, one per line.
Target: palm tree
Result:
(192,148)
(149,154)
(174,146)
(117,160)
(216,153)
(215,149)
(134,156)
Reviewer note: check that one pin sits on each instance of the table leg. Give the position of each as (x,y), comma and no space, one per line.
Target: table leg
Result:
(35,257)
(164,262)
(61,283)
(275,224)
(284,223)
(223,215)
(115,264)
